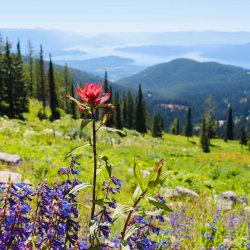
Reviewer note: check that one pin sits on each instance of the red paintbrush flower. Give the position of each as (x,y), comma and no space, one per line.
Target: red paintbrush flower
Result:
(91,93)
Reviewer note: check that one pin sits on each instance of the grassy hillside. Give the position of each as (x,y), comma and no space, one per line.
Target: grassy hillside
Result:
(43,146)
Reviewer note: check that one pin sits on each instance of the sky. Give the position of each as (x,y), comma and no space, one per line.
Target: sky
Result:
(104,16)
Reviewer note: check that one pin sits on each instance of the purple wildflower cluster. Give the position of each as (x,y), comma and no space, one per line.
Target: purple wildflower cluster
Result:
(148,225)
(103,219)
(181,224)
(52,222)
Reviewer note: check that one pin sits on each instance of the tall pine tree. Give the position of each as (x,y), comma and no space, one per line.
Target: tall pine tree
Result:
(8,79)
(125,112)
(55,114)
(67,83)
(31,69)
(1,71)
(229,127)
(157,126)
(243,136)
(175,127)
(130,109)
(41,87)
(188,129)
(118,120)
(111,121)
(20,91)
(140,113)
(204,136)
(73,105)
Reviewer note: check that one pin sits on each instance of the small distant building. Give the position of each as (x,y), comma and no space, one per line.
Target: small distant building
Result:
(173,107)
(243,100)
(221,123)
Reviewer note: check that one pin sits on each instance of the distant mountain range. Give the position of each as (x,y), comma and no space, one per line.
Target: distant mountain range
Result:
(124,54)
(189,83)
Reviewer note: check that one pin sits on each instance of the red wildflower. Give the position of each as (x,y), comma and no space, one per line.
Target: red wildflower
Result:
(91,94)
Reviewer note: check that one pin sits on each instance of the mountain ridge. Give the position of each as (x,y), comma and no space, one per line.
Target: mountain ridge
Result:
(190,81)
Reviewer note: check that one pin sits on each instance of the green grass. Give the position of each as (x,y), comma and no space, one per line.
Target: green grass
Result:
(43,146)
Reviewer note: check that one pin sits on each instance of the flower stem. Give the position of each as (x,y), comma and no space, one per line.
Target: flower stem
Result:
(95,165)
(130,214)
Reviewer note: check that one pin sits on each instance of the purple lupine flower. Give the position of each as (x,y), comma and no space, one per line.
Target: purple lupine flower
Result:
(116,181)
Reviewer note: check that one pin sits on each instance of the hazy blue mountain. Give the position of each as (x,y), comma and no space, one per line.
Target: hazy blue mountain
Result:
(190,82)
(232,53)
(238,54)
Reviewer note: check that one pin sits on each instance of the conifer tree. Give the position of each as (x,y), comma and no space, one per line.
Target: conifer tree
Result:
(229,126)
(208,115)
(14,82)
(73,105)
(130,109)
(41,88)
(107,88)
(20,90)
(106,83)
(175,127)
(124,112)
(140,113)
(118,120)
(67,83)
(243,136)
(204,137)
(31,69)
(8,76)
(55,114)
(111,121)
(1,71)
(188,130)
(157,126)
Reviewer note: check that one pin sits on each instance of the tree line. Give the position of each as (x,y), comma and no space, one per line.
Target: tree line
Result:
(37,79)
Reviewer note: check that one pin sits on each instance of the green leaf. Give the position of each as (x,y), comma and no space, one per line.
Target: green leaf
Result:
(72,151)
(124,245)
(107,165)
(155,213)
(137,193)
(77,188)
(131,231)
(92,227)
(158,204)
(121,210)
(138,176)
(104,118)
(102,202)
(155,175)
(85,122)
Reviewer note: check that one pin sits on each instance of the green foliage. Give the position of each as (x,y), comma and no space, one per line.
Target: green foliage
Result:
(55,114)
(229,127)
(188,129)
(225,168)
(204,136)
(175,127)
(140,113)
(157,126)
(243,138)
(118,118)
